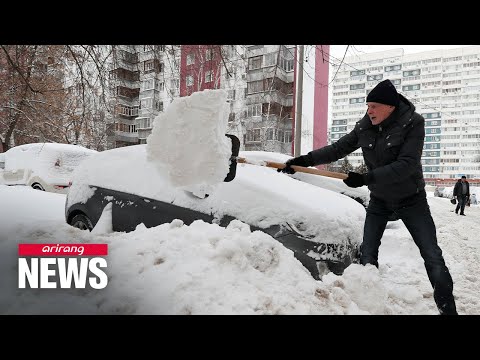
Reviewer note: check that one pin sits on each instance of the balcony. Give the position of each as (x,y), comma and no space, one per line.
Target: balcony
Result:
(131,137)
(270,96)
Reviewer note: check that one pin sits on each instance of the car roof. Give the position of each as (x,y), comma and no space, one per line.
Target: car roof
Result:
(51,147)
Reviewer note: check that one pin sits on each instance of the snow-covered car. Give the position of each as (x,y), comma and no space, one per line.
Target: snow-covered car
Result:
(438,192)
(321,227)
(43,166)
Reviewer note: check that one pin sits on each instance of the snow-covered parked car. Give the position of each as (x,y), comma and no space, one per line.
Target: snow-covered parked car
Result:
(43,166)
(322,228)
(438,192)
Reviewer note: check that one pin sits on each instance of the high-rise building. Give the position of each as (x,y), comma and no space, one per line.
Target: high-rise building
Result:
(444,85)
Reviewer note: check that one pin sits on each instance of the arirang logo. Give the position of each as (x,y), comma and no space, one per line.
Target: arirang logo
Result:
(66,266)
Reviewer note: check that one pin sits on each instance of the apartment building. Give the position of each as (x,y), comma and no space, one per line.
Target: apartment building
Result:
(145,79)
(269,98)
(444,85)
(259,79)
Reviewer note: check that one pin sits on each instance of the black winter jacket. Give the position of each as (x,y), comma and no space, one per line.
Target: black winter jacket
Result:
(457,190)
(391,150)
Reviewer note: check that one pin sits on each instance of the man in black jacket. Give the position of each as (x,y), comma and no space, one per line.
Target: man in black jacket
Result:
(391,135)
(462,192)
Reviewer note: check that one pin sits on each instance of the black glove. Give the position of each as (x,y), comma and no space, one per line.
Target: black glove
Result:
(303,160)
(355,179)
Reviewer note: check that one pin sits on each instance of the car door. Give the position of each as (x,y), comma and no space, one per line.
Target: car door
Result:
(129,210)
(14,177)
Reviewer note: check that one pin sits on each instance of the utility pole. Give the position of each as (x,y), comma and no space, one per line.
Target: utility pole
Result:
(298,106)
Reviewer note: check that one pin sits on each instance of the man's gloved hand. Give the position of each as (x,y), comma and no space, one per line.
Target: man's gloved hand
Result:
(303,160)
(355,180)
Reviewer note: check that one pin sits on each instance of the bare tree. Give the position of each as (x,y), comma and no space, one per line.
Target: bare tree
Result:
(31,94)
(53,93)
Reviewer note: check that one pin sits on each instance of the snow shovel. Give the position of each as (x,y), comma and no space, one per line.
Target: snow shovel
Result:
(235,159)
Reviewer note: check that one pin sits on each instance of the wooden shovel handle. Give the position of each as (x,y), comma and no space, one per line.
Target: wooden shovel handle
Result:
(307,170)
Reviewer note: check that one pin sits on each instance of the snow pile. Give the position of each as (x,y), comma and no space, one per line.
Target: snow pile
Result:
(188,140)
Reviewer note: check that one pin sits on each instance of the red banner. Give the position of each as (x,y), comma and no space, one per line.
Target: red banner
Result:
(62,249)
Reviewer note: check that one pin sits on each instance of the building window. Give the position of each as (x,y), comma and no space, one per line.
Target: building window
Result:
(159,105)
(160,86)
(254,110)
(374,77)
(270,59)
(127,110)
(189,80)
(357,86)
(148,84)
(393,68)
(148,65)
(255,86)
(411,87)
(357,73)
(231,94)
(208,54)
(411,73)
(357,100)
(255,63)
(190,59)
(146,103)
(286,64)
(209,76)
(174,83)
(287,136)
(143,123)
(253,135)
(270,134)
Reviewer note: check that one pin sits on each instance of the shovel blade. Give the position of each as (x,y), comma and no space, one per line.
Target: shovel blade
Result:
(233,162)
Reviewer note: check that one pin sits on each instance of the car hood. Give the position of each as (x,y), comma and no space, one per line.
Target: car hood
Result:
(258,195)
(337,185)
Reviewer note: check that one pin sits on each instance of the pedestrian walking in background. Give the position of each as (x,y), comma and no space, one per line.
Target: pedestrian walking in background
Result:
(462,192)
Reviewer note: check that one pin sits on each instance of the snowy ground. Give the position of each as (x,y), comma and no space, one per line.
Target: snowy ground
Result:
(205,269)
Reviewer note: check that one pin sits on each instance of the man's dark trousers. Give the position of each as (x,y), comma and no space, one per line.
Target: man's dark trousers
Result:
(462,201)
(415,214)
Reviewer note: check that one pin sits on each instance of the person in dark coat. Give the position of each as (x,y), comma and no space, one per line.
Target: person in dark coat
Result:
(462,192)
(391,135)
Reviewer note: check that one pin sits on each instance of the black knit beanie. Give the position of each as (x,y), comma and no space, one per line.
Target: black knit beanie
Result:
(384,93)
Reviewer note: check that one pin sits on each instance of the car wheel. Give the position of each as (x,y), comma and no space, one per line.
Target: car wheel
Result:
(37,186)
(82,222)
